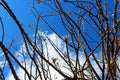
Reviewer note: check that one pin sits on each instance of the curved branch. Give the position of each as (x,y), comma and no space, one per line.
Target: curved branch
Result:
(2,29)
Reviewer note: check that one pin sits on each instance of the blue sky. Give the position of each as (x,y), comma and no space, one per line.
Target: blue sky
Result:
(22,10)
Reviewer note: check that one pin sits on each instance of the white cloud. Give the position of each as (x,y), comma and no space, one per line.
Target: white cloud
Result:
(20,72)
(54,55)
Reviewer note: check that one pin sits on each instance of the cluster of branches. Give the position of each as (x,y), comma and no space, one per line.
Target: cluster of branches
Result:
(94,16)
